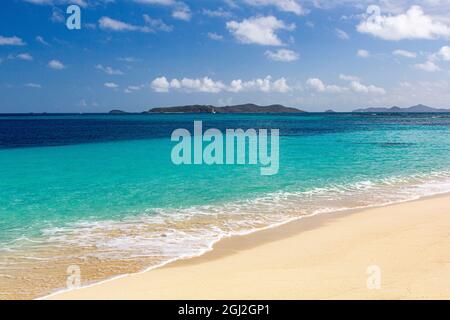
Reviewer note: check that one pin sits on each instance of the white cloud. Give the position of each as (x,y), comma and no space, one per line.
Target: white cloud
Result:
(41,40)
(316,84)
(218,13)
(81,3)
(442,54)
(258,30)
(57,15)
(263,85)
(159,2)
(201,85)
(111,85)
(182,12)
(363,53)
(11,41)
(131,89)
(157,24)
(358,87)
(107,23)
(283,55)
(160,84)
(428,66)
(207,85)
(109,70)
(404,53)
(56,65)
(292,6)
(21,56)
(127,59)
(341,34)
(413,24)
(355,85)
(33,85)
(215,36)
(25,56)
(280,86)
(319,86)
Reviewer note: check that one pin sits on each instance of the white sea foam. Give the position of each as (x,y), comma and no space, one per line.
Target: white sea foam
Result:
(171,233)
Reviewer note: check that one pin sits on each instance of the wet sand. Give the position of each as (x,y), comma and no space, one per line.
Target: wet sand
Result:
(403,248)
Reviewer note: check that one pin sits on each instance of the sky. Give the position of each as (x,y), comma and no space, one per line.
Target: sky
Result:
(134,55)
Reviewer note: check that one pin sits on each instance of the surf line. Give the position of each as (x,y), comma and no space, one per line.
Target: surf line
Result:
(235,147)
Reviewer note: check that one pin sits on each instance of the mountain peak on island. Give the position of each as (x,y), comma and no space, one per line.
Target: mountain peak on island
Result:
(420,108)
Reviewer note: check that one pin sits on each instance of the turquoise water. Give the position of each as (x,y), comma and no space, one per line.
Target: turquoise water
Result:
(75,180)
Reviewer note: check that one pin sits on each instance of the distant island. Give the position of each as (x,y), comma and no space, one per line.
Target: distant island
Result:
(420,108)
(275,108)
(242,108)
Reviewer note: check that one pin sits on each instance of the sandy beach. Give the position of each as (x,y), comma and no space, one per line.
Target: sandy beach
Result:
(330,256)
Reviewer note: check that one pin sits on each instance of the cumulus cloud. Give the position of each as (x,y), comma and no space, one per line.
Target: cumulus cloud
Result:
(404,53)
(215,36)
(160,84)
(413,24)
(442,54)
(56,65)
(428,66)
(263,85)
(319,86)
(11,41)
(21,56)
(111,85)
(259,30)
(292,6)
(358,87)
(363,53)
(25,56)
(207,85)
(280,86)
(157,24)
(341,34)
(109,70)
(218,13)
(282,55)
(182,12)
(107,23)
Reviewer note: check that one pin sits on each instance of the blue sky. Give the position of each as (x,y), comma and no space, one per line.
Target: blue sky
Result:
(138,54)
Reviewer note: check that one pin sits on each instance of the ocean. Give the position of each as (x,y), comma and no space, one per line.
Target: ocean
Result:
(101,192)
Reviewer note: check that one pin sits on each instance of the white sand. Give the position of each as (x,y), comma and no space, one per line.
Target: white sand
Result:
(324,257)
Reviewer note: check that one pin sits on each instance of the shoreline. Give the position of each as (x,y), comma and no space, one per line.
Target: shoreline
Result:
(163,282)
